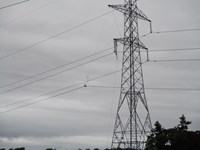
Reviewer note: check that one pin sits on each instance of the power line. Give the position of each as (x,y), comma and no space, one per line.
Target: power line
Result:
(26,100)
(170,49)
(14,4)
(28,13)
(53,69)
(174,89)
(174,60)
(42,100)
(93,86)
(80,59)
(55,74)
(151,88)
(171,60)
(174,49)
(96,78)
(171,31)
(29,99)
(90,86)
(58,34)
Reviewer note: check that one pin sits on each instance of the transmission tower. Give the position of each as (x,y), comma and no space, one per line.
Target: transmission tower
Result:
(133,122)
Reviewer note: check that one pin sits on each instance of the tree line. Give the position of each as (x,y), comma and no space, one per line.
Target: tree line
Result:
(177,138)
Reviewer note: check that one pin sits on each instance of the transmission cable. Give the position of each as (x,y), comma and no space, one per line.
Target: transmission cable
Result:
(80,59)
(183,30)
(56,35)
(58,67)
(14,4)
(55,74)
(174,49)
(28,13)
(174,60)
(26,100)
(150,88)
(171,31)
(42,100)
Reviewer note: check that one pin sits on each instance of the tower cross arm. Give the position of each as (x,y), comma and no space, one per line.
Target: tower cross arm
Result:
(136,11)
(141,45)
(141,15)
(116,40)
(119,7)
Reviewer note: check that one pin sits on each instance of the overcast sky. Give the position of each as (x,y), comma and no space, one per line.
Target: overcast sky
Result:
(85,118)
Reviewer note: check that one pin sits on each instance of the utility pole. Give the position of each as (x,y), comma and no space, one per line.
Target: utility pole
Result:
(133,122)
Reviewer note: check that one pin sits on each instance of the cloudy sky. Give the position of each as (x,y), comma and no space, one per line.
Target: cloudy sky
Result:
(77,117)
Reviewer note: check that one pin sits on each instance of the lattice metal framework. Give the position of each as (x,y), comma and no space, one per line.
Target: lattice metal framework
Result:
(133,121)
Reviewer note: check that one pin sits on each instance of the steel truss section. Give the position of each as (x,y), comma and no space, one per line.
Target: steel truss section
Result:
(133,122)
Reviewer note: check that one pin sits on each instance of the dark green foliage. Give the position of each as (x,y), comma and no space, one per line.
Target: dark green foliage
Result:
(50,149)
(120,149)
(177,138)
(21,148)
(183,123)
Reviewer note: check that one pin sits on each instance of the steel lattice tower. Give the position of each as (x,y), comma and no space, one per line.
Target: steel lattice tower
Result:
(133,121)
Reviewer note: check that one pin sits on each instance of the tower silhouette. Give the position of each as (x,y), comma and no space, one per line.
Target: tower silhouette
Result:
(133,121)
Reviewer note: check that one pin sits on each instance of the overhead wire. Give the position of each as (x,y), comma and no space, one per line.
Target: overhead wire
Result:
(14,4)
(174,49)
(92,86)
(42,100)
(174,60)
(170,60)
(28,13)
(58,67)
(174,89)
(171,31)
(154,32)
(56,35)
(83,58)
(76,84)
(101,31)
(150,88)
(6,91)
(179,89)
(45,94)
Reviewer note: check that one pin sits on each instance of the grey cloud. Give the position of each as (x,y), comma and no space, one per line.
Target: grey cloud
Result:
(81,118)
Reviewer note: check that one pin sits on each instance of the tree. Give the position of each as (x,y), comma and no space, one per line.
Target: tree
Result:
(21,148)
(49,149)
(177,138)
(158,128)
(183,123)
